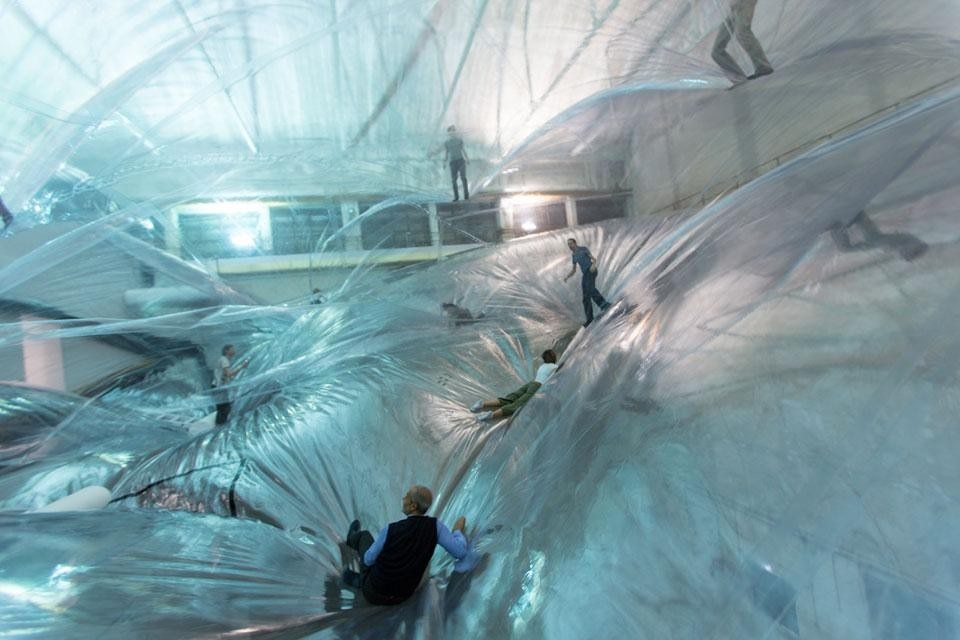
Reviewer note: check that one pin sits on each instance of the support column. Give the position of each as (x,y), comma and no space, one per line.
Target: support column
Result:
(42,355)
(570,205)
(352,235)
(436,240)
(505,221)
(171,232)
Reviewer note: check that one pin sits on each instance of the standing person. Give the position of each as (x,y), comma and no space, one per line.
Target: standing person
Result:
(394,562)
(588,265)
(456,155)
(222,375)
(738,24)
(513,402)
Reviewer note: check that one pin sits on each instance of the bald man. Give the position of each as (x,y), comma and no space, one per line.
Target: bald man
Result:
(394,562)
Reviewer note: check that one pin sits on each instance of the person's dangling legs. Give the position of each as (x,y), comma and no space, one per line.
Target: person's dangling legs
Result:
(723,59)
(453,180)
(463,179)
(742,12)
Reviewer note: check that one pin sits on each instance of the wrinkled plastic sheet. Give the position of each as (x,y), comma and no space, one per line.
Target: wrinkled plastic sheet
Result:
(768,397)
(773,395)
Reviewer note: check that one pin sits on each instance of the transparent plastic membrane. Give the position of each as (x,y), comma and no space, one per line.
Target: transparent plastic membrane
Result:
(756,441)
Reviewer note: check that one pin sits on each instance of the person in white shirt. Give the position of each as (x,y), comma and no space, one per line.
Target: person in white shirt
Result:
(222,375)
(513,402)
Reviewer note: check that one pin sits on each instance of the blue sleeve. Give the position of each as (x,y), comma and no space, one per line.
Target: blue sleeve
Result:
(455,542)
(371,555)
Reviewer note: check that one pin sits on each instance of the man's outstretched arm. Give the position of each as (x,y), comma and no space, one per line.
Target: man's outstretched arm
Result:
(454,542)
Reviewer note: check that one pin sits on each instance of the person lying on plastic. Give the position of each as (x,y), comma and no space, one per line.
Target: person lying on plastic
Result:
(394,562)
(511,403)
(909,247)
(457,315)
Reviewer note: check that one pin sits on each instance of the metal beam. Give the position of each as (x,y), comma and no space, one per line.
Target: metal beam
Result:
(244,131)
(579,50)
(45,36)
(391,90)
(463,61)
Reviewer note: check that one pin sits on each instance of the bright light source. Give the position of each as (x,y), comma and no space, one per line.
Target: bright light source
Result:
(228,207)
(525,200)
(242,240)
(147,224)
(528,226)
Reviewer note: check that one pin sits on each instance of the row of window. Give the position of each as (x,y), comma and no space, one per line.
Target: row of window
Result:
(300,229)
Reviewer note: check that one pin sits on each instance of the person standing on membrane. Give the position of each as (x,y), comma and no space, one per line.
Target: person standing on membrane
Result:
(588,265)
(738,24)
(222,375)
(394,563)
(456,156)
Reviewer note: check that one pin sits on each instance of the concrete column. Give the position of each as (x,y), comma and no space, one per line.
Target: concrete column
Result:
(171,232)
(42,356)
(435,238)
(352,235)
(571,209)
(505,221)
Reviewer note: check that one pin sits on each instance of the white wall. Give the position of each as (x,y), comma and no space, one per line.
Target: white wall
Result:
(40,359)
(689,149)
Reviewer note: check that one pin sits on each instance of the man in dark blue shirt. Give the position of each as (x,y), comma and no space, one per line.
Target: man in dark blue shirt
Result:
(588,265)
(394,562)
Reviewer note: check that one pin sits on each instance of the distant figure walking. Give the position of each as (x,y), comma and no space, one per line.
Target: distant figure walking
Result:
(6,215)
(222,375)
(456,156)
(738,23)
(588,265)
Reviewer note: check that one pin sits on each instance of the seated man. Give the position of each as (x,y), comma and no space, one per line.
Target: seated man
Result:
(511,403)
(394,563)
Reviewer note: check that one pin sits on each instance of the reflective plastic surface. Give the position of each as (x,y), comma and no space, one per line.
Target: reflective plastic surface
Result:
(758,440)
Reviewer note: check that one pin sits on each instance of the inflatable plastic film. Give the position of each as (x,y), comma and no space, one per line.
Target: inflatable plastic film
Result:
(756,440)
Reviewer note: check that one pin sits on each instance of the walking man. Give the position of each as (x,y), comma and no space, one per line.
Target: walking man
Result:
(588,265)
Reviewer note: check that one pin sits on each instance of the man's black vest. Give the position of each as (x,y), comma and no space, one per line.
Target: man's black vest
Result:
(405,556)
